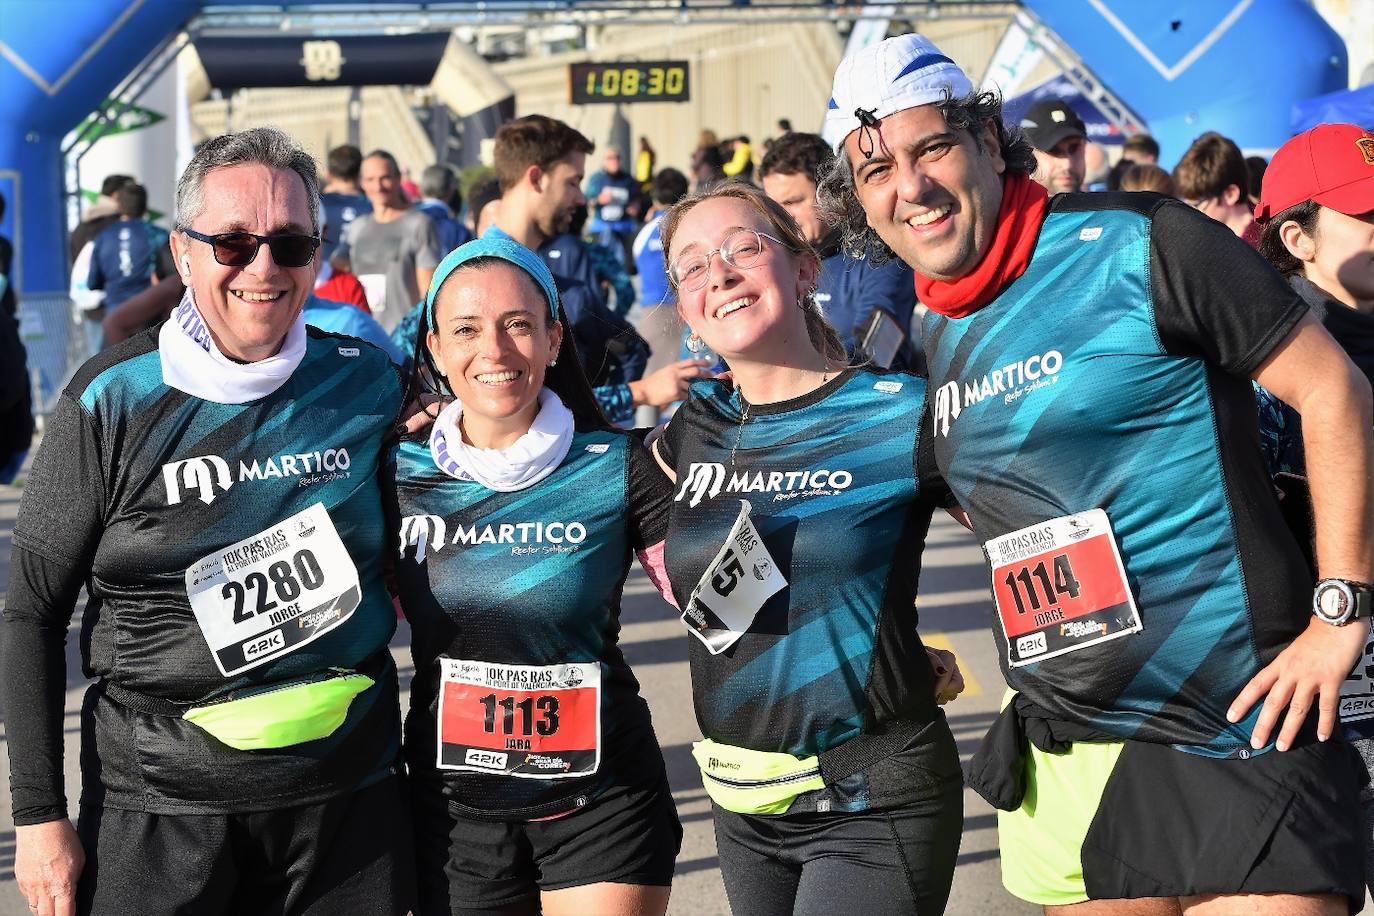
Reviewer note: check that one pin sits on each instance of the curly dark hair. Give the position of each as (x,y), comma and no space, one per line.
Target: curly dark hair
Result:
(839,203)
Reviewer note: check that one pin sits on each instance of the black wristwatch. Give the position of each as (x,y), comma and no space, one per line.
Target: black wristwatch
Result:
(1339,601)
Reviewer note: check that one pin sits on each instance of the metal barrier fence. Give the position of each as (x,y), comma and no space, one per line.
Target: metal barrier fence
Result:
(55,344)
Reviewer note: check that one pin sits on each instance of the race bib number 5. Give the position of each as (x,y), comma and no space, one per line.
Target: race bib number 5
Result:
(530,721)
(267,595)
(739,581)
(1060,586)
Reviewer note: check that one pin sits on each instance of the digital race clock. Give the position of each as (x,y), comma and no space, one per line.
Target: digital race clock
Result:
(628,81)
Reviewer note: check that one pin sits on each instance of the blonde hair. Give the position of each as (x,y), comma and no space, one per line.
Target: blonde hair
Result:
(824,338)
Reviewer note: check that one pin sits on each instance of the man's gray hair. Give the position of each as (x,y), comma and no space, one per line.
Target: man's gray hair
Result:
(265,145)
(839,201)
(437,182)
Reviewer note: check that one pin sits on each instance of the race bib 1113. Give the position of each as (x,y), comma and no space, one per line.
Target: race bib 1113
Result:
(530,721)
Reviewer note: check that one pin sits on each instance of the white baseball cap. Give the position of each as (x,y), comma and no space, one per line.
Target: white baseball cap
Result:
(895,74)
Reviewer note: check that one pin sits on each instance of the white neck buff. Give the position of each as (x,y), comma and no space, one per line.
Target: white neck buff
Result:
(530,459)
(191,362)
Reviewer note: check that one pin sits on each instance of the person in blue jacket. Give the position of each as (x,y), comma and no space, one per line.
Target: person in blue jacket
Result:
(848,289)
(342,318)
(615,195)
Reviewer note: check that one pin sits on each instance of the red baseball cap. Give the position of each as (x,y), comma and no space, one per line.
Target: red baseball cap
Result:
(1332,164)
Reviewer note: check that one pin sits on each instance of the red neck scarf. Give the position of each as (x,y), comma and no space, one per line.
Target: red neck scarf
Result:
(1024,204)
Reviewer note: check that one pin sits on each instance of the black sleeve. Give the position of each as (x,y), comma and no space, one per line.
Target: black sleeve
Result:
(668,440)
(1214,296)
(389,404)
(930,483)
(391,513)
(59,525)
(7,299)
(392,398)
(650,495)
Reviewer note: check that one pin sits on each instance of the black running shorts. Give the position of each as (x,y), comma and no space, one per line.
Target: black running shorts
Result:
(626,835)
(348,856)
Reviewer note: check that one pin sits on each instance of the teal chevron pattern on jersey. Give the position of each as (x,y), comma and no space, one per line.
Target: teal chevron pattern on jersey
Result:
(179,480)
(1061,396)
(205,475)
(832,482)
(530,577)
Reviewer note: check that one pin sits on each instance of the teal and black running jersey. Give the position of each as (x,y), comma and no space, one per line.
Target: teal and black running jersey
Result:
(528,578)
(135,484)
(841,486)
(1113,375)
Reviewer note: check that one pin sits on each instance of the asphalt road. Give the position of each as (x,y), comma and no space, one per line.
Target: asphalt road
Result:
(954,609)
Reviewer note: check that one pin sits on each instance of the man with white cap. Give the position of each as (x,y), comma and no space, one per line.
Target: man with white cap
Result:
(1092,359)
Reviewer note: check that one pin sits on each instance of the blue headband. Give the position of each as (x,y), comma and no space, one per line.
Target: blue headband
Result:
(500,246)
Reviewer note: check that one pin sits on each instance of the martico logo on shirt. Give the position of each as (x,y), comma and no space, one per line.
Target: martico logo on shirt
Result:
(205,476)
(422,530)
(430,532)
(706,480)
(1012,382)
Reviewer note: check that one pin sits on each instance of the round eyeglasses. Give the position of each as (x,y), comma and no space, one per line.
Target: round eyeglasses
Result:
(741,249)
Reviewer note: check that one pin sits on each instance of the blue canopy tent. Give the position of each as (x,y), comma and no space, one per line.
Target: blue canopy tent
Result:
(1348,106)
(1187,67)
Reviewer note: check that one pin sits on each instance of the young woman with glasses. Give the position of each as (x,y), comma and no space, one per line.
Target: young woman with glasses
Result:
(803,498)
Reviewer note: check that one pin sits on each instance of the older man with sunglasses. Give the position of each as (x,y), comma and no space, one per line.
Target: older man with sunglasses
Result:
(215,484)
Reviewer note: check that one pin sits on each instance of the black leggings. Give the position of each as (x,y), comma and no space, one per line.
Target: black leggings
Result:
(894,862)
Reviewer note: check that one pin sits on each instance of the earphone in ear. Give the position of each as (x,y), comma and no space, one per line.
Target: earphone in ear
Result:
(185,267)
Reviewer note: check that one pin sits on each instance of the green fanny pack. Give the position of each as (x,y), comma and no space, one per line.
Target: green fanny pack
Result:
(280,715)
(754,782)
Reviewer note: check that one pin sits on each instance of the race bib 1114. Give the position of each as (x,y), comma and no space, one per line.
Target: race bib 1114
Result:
(1060,586)
(1357,693)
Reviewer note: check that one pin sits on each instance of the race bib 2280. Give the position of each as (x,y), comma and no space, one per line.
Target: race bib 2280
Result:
(267,595)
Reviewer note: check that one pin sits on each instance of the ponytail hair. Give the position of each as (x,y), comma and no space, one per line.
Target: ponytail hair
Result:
(823,335)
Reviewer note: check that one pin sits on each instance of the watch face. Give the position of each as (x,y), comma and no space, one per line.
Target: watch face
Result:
(1334,601)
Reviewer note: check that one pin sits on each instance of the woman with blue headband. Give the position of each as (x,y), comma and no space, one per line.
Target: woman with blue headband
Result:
(539,785)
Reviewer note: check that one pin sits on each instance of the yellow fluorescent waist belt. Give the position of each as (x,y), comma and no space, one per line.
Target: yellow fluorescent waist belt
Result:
(754,782)
(282,716)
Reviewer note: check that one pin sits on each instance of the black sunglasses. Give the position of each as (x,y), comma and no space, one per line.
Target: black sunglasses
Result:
(238,249)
